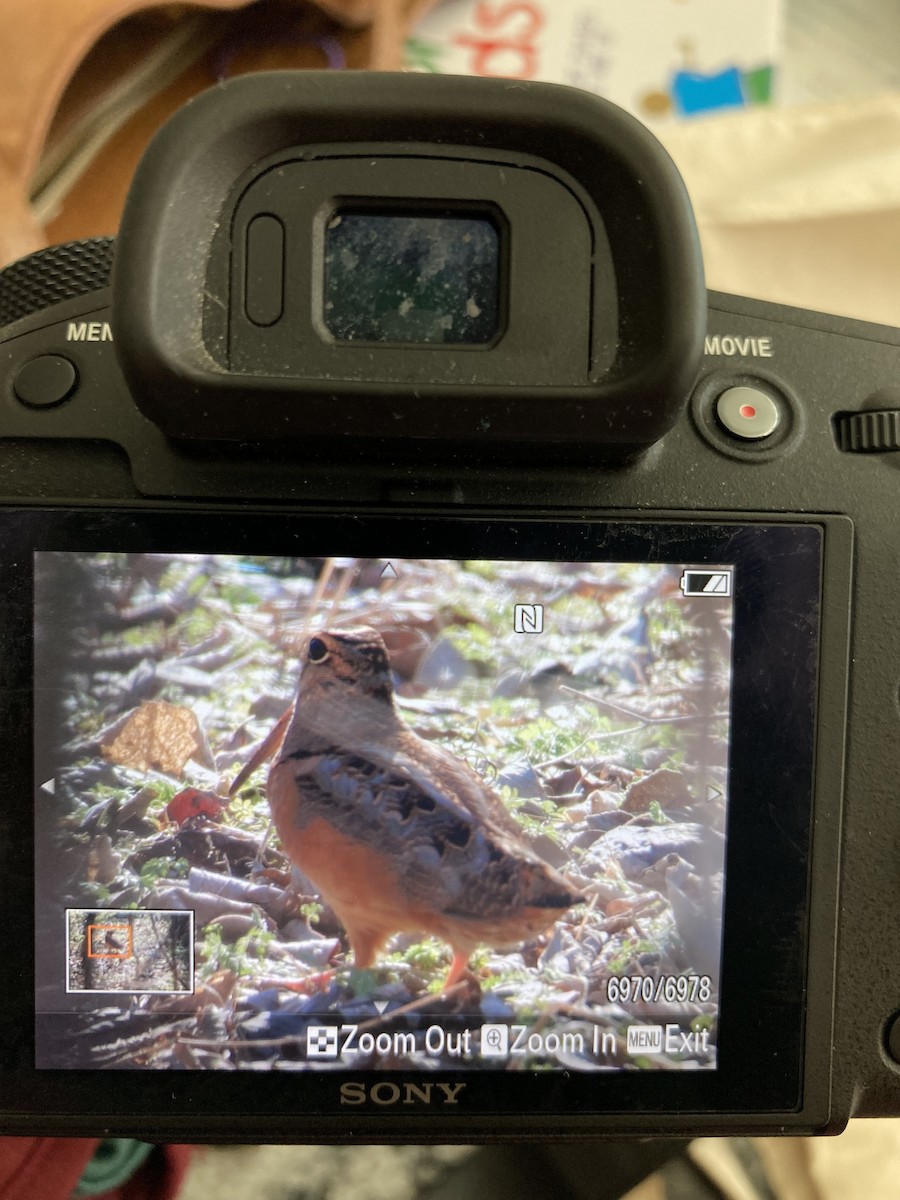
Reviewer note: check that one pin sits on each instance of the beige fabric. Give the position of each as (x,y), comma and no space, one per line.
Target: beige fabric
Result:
(44,42)
(19,231)
(64,60)
(787,1163)
(802,205)
(862,1162)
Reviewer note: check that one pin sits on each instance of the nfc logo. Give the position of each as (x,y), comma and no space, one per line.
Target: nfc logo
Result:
(529,618)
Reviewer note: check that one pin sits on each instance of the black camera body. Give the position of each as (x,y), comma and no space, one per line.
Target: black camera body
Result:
(465,320)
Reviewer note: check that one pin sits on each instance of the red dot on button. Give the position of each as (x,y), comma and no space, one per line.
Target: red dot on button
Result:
(748,411)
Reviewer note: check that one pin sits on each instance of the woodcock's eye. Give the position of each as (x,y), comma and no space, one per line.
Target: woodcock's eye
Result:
(318,651)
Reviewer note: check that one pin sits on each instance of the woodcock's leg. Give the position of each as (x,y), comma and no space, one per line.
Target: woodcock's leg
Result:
(365,944)
(458,967)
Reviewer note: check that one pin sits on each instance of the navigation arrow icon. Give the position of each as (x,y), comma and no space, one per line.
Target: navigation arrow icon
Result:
(388,572)
(381,1005)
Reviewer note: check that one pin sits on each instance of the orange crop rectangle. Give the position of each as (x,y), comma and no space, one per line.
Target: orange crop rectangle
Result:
(115,949)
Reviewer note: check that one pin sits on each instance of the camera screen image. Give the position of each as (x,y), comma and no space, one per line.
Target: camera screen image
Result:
(309,813)
(412,278)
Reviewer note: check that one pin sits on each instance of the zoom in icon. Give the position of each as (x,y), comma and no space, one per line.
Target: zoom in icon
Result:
(494,1041)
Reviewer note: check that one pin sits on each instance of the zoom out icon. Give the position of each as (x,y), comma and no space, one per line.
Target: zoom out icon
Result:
(322,1041)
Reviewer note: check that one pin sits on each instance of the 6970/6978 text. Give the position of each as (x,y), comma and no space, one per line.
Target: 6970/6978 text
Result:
(664,989)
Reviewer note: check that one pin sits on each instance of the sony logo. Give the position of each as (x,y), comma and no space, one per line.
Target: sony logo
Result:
(385,1093)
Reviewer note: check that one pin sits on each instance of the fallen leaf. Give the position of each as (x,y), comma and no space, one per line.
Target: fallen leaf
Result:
(668,789)
(233,925)
(190,802)
(104,863)
(217,990)
(603,801)
(206,908)
(157,735)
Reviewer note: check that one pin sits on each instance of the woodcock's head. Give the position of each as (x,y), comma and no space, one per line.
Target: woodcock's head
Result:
(345,692)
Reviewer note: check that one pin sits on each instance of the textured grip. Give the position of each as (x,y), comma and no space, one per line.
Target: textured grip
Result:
(50,276)
(872,432)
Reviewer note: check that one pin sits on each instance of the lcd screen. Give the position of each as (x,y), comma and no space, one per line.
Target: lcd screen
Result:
(500,793)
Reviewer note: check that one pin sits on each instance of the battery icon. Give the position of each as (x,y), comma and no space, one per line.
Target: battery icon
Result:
(706,583)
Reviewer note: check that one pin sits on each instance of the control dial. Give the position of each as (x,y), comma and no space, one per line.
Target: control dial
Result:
(53,275)
(875,431)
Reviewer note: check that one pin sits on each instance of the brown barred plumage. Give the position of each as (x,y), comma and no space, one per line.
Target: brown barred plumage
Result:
(396,832)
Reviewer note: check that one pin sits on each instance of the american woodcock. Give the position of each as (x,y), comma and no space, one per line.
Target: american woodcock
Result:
(397,833)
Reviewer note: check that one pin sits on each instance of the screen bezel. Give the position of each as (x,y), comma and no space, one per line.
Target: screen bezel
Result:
(768,880)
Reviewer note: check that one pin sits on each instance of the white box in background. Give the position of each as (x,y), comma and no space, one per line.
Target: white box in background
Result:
(660,59)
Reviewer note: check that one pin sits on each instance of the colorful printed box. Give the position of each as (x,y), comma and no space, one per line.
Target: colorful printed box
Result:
(661,59)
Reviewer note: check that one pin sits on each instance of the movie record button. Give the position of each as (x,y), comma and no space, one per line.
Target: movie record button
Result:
(748,412)
(753,418)
(47,380)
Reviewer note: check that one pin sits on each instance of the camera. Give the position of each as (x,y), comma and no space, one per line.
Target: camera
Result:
(393,474)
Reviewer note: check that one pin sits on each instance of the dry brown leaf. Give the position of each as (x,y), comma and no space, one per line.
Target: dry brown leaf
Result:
(105,862)
(667,788)
(218,989)
(571,780)
(206,907)
(603,801)
(185,1057)
(233,926)
(158,735)
(618,924)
